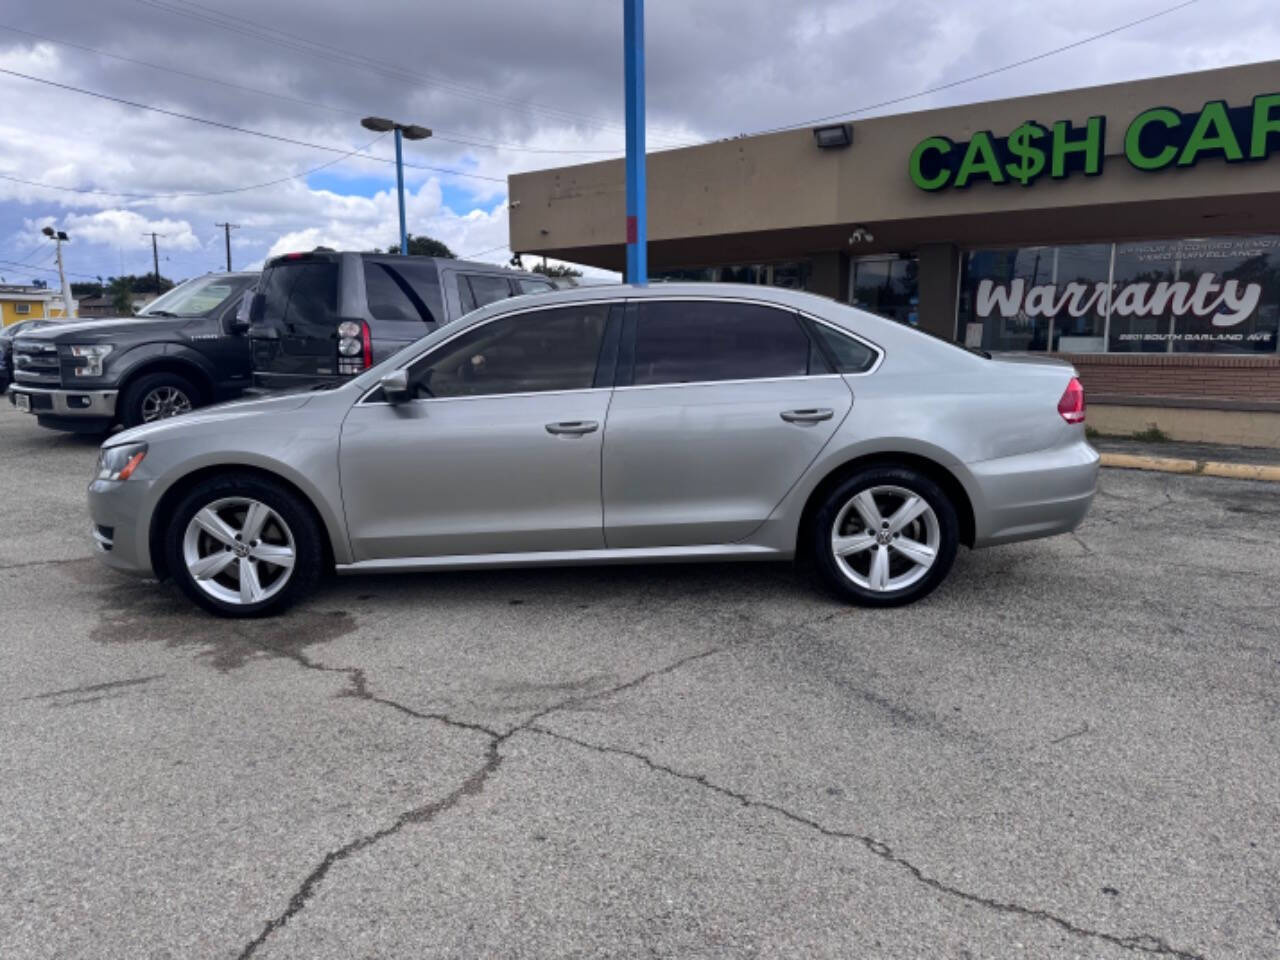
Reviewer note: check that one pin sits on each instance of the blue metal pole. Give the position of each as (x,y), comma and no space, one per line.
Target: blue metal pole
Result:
(637,202)
(404,236)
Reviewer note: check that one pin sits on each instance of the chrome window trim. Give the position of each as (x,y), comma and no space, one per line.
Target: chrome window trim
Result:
(364,397)
(489,396)
(786,308)
(875,347)
(717,383)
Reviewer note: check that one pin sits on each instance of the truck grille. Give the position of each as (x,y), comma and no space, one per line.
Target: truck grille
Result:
(36,363)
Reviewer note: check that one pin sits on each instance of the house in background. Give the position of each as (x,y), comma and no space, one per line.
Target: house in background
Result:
(24,302)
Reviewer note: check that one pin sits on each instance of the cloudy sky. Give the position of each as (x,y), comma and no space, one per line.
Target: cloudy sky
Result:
(506,86)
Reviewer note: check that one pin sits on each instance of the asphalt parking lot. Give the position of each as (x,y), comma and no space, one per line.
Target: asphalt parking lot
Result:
(1070,750)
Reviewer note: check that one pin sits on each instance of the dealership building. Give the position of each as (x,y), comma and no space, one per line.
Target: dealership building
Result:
(1133,229)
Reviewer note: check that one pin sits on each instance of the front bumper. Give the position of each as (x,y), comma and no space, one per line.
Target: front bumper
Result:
(120,525)
(51,402)
(1034,495)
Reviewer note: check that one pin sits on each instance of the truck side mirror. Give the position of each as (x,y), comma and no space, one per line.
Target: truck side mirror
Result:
(395,386)
(250,304)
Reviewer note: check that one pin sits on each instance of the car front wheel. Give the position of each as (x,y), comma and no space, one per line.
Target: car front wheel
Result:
(240,545)
(157,396)
(884,537)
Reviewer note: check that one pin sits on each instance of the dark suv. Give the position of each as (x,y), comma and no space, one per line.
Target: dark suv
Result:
(183,350)
(325,316)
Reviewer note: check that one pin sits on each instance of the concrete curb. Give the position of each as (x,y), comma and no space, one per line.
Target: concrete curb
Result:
(1207,468)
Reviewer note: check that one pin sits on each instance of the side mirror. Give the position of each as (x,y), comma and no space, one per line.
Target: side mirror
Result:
(250,305)
(395,386)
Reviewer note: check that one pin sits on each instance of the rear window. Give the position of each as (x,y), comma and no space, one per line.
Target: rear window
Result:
(302,293)
(403,291)
(535,286)
(488,289)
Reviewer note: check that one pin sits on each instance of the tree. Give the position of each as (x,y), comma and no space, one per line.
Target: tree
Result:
(424,246)
(556,270)
(80,290)
(122,289)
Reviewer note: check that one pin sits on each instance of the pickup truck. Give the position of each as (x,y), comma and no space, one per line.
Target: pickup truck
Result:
(183,350)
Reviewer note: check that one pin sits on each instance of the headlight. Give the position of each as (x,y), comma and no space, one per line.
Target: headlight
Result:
(118,463)
(90,356)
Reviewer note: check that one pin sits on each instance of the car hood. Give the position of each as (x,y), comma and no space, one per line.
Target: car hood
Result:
(100,329)
(214,418)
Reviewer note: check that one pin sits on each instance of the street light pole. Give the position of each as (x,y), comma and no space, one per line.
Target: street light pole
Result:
(404,233)
(68,304)
(407,131)
(637,201)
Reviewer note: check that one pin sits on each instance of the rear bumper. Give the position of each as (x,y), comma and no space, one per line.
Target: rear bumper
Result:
(1034,495)
(50,402)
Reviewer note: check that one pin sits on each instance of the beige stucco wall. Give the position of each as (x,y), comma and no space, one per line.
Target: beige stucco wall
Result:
(784,194)
(1245,428)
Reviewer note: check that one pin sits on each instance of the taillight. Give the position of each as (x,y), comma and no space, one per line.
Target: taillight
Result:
(1071,406)
(355,347)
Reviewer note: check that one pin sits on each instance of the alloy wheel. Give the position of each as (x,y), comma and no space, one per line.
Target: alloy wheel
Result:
(239,550)
(885,538)
(162,402)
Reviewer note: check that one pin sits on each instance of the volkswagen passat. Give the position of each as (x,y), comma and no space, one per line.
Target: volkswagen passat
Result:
(606,425)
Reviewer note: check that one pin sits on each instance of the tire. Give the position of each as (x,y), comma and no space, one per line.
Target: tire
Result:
(208,559)
(155,396)
(885,562)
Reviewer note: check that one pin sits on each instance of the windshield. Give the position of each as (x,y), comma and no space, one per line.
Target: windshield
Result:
(194,298)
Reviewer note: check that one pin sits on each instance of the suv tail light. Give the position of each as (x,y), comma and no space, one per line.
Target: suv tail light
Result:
(355,347)
(1071,406)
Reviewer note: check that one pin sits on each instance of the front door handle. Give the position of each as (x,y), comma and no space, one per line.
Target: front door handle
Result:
(573,428)
(814,415)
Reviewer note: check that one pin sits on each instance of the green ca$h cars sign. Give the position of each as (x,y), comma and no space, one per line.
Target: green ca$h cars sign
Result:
(1156,139)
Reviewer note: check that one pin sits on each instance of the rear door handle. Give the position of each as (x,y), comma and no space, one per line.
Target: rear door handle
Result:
(573,428)
(814,415)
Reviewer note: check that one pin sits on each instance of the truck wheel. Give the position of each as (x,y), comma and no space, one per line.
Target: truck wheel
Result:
(156,396)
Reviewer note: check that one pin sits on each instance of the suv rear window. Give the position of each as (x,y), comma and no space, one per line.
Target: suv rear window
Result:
(303,292)
(408,290)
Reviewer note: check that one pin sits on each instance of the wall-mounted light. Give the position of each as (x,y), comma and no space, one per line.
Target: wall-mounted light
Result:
(861,235)
(834,137)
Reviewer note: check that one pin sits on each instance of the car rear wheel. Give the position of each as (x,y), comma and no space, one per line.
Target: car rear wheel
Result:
(244,546)
(157,396)
(885,537)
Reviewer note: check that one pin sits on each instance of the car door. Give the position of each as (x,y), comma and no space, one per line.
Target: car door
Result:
(720,407)
(499,449)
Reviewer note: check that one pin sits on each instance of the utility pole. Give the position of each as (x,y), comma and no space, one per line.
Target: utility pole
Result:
(155,256)
(228,227)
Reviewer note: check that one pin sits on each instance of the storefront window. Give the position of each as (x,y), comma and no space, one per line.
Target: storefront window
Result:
(1035,298)
(792,274)
(1197,296)
(888,286)
(1187,296)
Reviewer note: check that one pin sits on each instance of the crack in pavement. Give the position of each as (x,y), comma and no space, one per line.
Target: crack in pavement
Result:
(43,563)
(359,689)
(96,687)
(1144,943)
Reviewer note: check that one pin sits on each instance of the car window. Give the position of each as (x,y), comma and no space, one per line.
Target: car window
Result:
(488,289)
(304,293)
(408,291)
(535,286)
(691,341)
(527,353)
(850,355)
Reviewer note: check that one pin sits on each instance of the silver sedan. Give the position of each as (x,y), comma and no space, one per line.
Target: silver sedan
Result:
(612,425)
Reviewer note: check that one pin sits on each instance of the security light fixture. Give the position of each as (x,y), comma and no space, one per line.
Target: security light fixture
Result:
(834,137)
(415,132)
(378,124)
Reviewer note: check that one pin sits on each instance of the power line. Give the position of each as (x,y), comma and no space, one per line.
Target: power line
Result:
(315,48)
(442,135)
(472,256)
(206,193)
(231,126)
(979,76)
